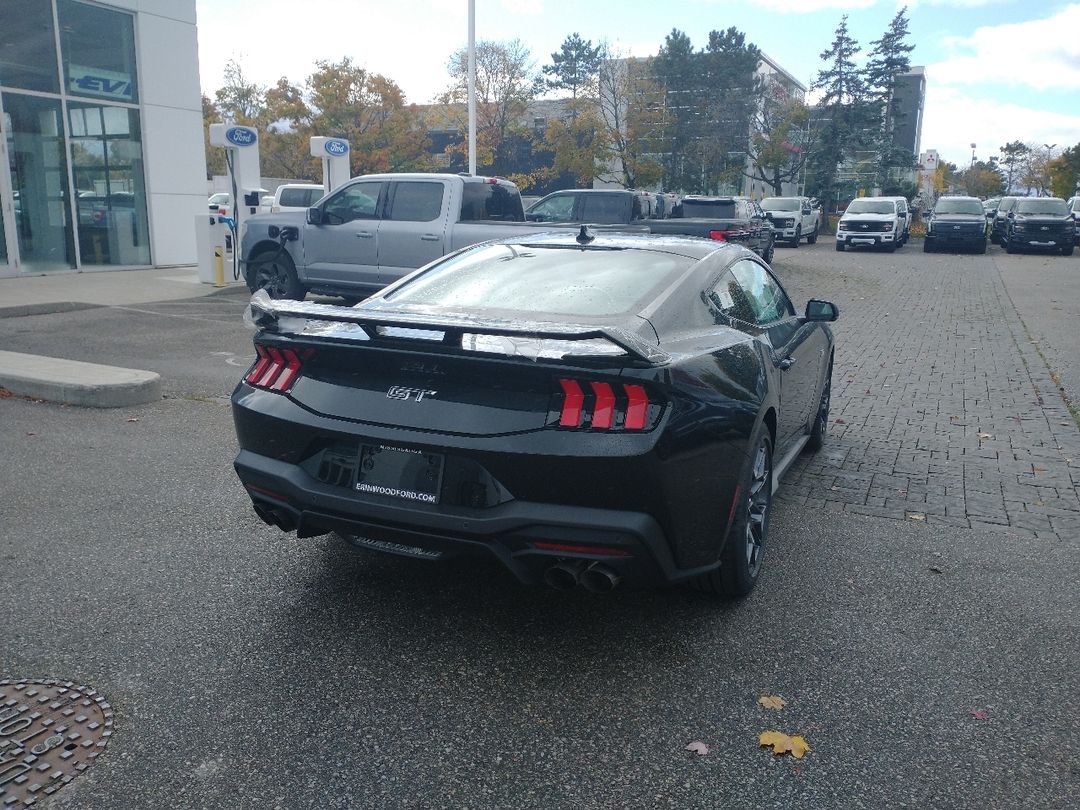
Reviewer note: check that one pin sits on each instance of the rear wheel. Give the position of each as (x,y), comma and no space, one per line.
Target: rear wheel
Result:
(798,237)
(812,238)
(740,561)
(821,422)
(275,272)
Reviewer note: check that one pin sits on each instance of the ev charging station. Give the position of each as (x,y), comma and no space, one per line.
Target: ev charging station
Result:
(335,160)
(217,236)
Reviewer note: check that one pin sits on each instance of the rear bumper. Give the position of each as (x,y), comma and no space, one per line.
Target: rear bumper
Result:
(630,543)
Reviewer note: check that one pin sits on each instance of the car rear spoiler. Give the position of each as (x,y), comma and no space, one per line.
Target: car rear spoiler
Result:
(534,339)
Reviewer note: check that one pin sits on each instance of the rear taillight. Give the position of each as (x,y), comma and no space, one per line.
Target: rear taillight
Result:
(597,405)
(276,369)
(720,236)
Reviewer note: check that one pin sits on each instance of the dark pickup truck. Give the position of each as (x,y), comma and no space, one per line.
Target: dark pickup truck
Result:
(725,219)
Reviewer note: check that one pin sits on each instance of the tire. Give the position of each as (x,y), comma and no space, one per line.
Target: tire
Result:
(812,238)
(890,248)
(982,247)
(768,254)
(927,247)
(741,558)
(820,429)
(1009,247)
(1067,251)
(277,276)
(840,247)
(798,237)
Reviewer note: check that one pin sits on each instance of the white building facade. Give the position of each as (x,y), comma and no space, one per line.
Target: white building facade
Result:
(102,164)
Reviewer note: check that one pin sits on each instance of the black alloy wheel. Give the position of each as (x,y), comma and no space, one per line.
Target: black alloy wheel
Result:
(276,274)
(741,559)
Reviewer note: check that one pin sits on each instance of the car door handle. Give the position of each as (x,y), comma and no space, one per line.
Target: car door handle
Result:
(786,363)
(364,234)
(429,237)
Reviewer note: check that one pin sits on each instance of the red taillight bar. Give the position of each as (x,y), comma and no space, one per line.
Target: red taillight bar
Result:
(571,409)
(570,548)
(605,406)
(276,369)
(636,408)
(604,411)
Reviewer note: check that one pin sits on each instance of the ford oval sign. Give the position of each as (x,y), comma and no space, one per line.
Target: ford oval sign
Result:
(241,136)
(336,148)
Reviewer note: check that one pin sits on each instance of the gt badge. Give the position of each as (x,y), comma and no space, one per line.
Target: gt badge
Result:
(402,393)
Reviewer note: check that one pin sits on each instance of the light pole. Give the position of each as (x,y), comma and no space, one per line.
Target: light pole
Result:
(973,156)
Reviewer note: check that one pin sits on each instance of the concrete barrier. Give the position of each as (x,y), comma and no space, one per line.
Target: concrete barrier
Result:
(76,383)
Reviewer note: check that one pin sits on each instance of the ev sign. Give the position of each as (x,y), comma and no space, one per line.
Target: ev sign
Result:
(87,81)
(336,148)
(241,136)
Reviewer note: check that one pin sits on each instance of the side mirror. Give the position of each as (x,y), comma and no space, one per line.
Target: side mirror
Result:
(821,310)
(806,210)
(314,216)
(1011,215)
(768,215)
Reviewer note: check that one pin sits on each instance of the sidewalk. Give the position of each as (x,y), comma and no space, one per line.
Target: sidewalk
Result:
(90,384)
(59,292)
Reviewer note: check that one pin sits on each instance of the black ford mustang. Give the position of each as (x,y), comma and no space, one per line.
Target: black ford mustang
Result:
(591,410)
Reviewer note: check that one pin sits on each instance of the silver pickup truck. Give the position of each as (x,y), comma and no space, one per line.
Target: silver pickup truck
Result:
(375,229)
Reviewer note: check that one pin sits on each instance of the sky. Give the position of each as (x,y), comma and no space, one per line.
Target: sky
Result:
(997,70)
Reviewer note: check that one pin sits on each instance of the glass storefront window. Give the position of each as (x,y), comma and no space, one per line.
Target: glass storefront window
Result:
(27,46)
(107,164)
(37,160)
(3,237)
(98,47)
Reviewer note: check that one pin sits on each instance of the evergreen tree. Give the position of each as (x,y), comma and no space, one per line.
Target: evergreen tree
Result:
(1015,156)
(574,67)
(840,115)
(887,59)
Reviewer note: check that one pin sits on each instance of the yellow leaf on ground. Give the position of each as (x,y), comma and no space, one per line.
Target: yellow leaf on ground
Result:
(783,744)
(772,702)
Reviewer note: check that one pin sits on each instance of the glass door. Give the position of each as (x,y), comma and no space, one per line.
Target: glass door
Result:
(37,161)
(7,208)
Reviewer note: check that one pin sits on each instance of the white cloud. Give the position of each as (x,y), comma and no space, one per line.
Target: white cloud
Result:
(528,8)
(808,6)
(953,121)
(1042,54)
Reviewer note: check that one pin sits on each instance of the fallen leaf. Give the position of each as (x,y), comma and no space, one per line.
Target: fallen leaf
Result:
(697,747)
(985,436)
(839,422)
(4,393)
(980,714)
(783,744)
(133,419)
(936,570)
(916,516)
(772,701)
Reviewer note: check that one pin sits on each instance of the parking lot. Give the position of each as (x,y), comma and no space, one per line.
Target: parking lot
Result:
(918,612)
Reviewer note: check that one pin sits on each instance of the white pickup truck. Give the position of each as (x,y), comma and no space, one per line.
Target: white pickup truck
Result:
(793,219)
(375,229)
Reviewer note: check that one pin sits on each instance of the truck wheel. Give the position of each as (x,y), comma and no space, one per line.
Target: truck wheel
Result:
(982,247)
(798,237)
(812,238)
(768,257)
(275,272)
(1009,247)
(1067,251)
(890,248)
(839,246)
(927,247)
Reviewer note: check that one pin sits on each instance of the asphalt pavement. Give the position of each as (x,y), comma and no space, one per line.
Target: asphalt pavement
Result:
(926,664)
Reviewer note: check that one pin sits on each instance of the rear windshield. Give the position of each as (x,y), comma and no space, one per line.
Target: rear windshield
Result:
(523,280)
(491,202)
(299,197)
(780,204)
(1048,206)
(871,207)
(947,206)
(710,209)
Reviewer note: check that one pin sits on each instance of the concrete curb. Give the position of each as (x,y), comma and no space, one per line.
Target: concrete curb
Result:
(24,310)
(75,383)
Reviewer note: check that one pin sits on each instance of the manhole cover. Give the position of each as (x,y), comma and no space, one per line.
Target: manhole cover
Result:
(50,732)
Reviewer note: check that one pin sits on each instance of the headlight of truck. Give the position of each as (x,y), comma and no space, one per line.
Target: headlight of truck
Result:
(1019,226)
(842,226)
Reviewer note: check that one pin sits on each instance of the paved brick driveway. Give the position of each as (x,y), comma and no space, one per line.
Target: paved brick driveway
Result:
(943,411)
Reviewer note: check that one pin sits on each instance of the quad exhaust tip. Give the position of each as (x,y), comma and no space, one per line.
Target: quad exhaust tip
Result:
(599,578)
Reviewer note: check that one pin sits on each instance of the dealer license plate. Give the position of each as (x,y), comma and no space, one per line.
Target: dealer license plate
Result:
(397,472)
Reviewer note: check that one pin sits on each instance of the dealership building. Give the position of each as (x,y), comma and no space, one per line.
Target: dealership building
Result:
(101,149)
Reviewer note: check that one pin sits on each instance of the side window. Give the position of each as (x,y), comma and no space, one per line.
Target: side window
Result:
(557,209)
(728,296)
(603,209)
(416,202)
(767,300)
(358,201)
